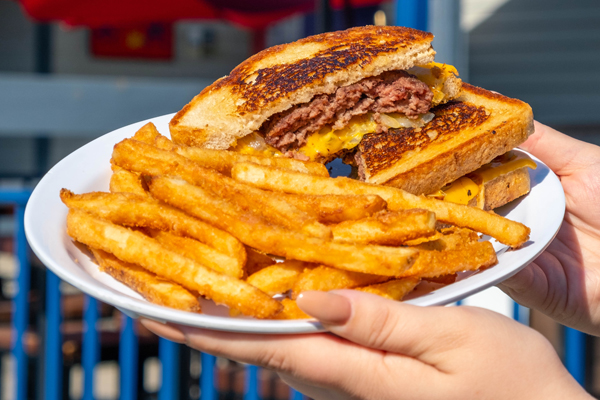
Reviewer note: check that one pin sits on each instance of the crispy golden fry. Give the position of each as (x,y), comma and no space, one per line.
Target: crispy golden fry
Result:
(199,252)
(135,247)
(504,230)
(223,160)
(255,232)
(394,290)
(164,143)
(423,240)
(387,228)
(291,311)
(443,279)
(140,157)
(450,239)
(278,278)
(326,278)
(153,288)
(336,208)
(136,211)
(467,257)
(256,261)
(123,181)
(147,133)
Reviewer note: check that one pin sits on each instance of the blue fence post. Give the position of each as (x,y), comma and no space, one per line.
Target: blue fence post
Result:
(574,343)
(21,303)
(207,379)
(128,359)
(251,383)
(91,346)
(520,313)
(412,13)
(168,353)
(296,395)
(53,358)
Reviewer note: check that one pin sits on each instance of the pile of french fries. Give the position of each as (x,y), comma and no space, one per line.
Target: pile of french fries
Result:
(184,222)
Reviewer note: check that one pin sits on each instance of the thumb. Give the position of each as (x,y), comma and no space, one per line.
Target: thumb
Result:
(371,321)
(562,153)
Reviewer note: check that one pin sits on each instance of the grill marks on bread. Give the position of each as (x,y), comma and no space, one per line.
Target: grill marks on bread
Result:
(259,87)
(378,152)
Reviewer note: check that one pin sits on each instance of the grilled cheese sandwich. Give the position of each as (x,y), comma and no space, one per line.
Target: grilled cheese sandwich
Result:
(371,95)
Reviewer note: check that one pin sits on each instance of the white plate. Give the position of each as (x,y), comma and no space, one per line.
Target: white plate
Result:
(88,169)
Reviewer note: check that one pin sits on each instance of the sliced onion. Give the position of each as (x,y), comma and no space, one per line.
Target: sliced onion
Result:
(389,121)
(428,117)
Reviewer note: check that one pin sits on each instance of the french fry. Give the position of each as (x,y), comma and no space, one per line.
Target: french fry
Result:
(450,239)
(200,252)
(467,257)
(395,289)
(147,133)
(443,279)
(140,157)
(135,247)
(136,211)
(291,311)
(256,261)
(223,160)
(278,278)
(254,232)
(387,228)
(423,239)
(502,229)
(336,208)
(326,278)
(151,287)
(123,181)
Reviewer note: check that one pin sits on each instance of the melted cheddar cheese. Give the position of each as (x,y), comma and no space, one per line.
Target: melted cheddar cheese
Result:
(493,170)
(461,191)
(434,75)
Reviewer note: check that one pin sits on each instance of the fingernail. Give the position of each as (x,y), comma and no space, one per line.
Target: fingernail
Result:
(165,331)
(328,308)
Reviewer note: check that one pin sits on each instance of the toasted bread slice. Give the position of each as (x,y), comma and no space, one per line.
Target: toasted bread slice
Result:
(503,189)
(280,77)
(464,135)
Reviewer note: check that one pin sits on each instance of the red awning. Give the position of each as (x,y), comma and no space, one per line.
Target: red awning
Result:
(255,14)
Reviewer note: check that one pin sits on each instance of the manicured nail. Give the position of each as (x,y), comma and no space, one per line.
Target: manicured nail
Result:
(165,331)
(329,308)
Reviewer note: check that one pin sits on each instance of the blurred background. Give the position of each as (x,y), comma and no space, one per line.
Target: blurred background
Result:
(71,71)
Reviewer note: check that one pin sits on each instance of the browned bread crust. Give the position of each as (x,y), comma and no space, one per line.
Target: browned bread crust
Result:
(279,77)
(502,190)
(463,136)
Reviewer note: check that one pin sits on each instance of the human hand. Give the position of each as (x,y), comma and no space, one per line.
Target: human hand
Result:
(381,349)
(564,281)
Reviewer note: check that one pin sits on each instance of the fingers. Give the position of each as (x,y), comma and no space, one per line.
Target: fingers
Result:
(562,153)
(317,358)
(371,321)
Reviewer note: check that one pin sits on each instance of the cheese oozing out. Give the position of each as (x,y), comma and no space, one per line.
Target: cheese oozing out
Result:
(327,141)
(464,189)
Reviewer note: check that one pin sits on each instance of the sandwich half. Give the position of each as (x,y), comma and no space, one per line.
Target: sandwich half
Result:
(469,136)
(374,97)
(287,95)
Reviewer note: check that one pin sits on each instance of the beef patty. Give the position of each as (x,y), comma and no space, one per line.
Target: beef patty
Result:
(393,91)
